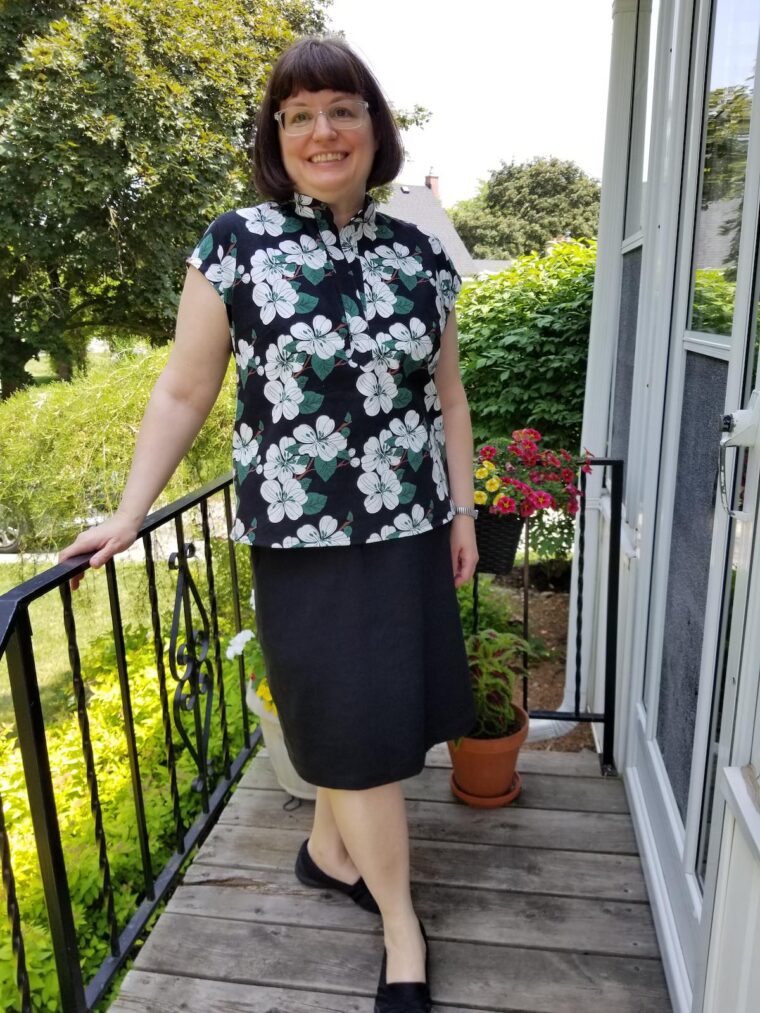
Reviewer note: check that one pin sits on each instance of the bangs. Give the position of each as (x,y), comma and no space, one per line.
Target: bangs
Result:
(318,66)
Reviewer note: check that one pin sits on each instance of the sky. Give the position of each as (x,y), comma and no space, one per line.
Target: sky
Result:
(504,80)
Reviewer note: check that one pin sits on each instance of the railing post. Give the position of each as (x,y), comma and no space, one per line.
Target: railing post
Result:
(30,727)
(613,585)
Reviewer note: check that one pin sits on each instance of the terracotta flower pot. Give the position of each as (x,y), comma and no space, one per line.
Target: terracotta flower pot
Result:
(484,772)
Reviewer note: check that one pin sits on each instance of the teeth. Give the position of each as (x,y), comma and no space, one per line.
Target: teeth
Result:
(328,156)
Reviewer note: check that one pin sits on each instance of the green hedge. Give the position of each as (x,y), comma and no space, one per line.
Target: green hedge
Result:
(66,448)
(524,344)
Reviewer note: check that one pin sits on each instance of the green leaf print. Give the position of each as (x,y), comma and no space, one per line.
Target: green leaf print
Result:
(206,246)
(291,225)
(315,503)
(407,492)
(239,409)
(350,307)
(313,275)
(409,281)
(306,303)
(410,365)
(323,367)
(325,469)
(312,402)
(414,457)
(403,305)
(402,398)
(383,232)
(242,471)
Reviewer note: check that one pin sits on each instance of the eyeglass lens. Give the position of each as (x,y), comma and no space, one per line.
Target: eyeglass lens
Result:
(345,115)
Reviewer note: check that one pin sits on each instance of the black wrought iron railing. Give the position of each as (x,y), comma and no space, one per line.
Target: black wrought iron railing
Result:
(194,695)
(607,716)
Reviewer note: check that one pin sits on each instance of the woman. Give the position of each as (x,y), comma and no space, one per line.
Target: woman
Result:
(344,334)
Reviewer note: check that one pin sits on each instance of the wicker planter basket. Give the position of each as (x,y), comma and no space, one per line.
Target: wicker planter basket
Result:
(498,537)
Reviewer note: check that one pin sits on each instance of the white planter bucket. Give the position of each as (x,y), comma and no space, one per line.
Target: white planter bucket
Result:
(289,779)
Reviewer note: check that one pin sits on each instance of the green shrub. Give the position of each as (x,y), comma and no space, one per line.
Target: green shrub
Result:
(115,790)
(494,606)
(524,345)
(713,303)
(65,449)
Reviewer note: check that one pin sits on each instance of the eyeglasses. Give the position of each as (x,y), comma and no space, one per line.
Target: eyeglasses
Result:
(347,114)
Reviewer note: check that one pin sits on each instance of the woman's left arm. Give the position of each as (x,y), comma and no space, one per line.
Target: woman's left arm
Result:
(458,433)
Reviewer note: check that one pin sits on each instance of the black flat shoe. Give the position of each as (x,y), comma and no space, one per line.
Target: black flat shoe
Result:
(310,874)
(404,996)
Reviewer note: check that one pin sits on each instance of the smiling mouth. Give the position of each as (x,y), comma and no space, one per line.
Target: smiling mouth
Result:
(328,156)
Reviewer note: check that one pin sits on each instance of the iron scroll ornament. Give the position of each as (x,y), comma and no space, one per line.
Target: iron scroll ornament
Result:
(191,668)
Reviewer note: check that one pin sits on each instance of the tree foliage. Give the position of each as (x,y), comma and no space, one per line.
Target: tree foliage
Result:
(524,344)
(124,127)
(520,207)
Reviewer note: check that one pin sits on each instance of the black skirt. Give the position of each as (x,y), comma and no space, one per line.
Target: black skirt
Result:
(365,655)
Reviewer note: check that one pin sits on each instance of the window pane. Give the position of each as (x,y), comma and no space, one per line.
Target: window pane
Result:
(641,127)
(729,106)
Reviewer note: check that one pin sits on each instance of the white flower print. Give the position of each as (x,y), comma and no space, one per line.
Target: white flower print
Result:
(384,354)
(303,205)
(320,339)
(409,434)
(223,273)
(244,448)
(361,341)
(320,441)
(283,359)
(238,530)
(386,532)
(244,354)
(379,454)
(439,472)
(414,524)
(263,218)
(309,252)
(432,400)
(381,489)
(379,391)
(435,242)
(413,340)
(445,294)
(285,398)
(366,228)
(266,266)
(331,243)
(379,298)
(373,268)
(283,460)
(399,259)
(438,431)
(326,534)
(278,299)
(285,499)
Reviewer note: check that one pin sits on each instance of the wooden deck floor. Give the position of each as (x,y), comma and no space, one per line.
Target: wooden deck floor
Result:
(540,906)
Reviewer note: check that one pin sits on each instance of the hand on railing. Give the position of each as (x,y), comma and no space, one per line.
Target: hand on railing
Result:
(114,535)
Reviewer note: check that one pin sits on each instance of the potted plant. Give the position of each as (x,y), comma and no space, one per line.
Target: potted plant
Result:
(513,481)
(484,762)
(258,697)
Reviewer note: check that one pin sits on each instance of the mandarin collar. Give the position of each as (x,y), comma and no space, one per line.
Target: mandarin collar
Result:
(310,207)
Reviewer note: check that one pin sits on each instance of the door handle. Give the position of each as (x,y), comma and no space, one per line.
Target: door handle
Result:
(740,429)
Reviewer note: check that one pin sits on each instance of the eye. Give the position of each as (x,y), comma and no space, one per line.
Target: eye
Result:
(297,116)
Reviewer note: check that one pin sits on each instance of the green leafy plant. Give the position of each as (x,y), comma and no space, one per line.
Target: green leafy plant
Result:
(524,344)
(495,661)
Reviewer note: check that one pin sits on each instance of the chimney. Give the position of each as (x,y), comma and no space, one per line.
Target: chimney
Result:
(431,182)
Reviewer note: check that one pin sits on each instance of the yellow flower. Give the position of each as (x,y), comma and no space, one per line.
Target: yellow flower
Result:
(489,465)
(482,472)
(493,484)
(480,498)
(265,694)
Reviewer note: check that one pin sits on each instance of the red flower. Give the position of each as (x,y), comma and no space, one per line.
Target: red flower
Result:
(487,453)
(568,474)
(543,500)
(520,435)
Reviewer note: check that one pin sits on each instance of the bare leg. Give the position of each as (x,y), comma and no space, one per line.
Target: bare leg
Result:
(326,845)
(372,824)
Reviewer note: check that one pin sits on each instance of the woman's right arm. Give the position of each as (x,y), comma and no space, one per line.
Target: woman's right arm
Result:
(179,404)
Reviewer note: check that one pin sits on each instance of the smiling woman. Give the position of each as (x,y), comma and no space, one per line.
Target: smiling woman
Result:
(352,446)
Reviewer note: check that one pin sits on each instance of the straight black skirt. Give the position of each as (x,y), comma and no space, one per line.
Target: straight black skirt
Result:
(365,656)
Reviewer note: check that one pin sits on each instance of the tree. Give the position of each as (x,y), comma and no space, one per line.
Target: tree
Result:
(520,207)
(125,126)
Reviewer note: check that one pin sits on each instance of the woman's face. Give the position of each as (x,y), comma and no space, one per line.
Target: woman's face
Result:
(328,163)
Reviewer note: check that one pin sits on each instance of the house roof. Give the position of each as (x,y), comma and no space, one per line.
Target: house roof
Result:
(420,206)
(491,266)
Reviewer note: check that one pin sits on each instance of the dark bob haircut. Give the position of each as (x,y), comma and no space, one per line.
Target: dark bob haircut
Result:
(317,63)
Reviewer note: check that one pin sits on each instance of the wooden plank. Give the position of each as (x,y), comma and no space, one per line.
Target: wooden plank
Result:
(527,828)
(143,992)
(540,791)
(467,974)
(536,761)
(510,919)
(486,867)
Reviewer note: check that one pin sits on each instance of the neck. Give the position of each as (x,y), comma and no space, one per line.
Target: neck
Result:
(344,210)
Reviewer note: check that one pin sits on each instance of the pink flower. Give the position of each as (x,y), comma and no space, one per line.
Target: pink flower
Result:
(543,500)
(567,474)
(487,453)
(527,509)
(521,435)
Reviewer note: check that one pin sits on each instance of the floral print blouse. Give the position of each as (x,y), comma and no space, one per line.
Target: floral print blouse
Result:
(336,334)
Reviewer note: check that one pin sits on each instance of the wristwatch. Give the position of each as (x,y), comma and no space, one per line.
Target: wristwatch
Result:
(467,511)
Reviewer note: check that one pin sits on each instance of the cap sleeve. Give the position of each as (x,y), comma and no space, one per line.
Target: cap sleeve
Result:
(215,257)
(447,281)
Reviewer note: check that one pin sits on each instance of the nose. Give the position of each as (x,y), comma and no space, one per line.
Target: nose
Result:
(323,128)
